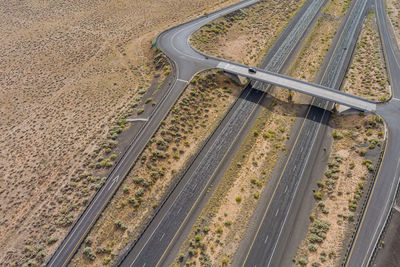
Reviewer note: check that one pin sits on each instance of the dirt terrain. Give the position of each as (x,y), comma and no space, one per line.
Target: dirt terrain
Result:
(367,75)
(69,70)
(356,146)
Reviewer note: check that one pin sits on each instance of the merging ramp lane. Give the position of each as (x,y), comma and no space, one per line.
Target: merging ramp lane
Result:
(300,86)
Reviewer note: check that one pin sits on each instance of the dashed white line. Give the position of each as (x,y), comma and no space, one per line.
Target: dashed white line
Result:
(286,189)
(180,80)
(136,119)
(179,210)
(162,236)
(276,213)
(266,239)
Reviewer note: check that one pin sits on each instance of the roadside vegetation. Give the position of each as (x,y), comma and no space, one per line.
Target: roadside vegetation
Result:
(319,40)
(71,72)
(191,120)
(367,75)
(223,222)
(245,35)
(393,10)
(219,230)
(339,195)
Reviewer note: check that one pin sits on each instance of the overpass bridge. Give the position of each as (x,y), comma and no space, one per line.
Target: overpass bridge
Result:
(312,89)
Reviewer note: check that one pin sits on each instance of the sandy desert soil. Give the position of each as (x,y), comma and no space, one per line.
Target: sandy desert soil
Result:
(68,70)
(367,75)
(356,146)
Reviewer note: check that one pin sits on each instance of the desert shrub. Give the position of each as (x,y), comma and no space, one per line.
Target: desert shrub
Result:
(303,261)
(318,195)
(87,251)
(52,240)
(238,199)
(337,135)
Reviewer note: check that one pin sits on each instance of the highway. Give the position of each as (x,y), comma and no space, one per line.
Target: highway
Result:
(153,246)
(268,244)
(384,191)
(187,62)
(184,72)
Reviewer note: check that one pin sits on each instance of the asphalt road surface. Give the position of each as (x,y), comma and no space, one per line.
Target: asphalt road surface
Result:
(269,242)
(316,90)
(188,62)
(184,71)
(155,242)
(384,191)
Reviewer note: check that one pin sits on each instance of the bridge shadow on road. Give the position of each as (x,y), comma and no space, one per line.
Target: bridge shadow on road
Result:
(286,108)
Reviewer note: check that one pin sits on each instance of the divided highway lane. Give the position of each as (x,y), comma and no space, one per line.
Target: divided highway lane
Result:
(387,181)
(151,248)
(268,245)
(184,72)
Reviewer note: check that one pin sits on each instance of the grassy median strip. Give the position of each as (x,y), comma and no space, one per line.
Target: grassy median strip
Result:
(367,75)
(356,147)
(245,35)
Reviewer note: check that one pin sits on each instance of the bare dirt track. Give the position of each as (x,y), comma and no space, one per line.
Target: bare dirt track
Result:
(67,70)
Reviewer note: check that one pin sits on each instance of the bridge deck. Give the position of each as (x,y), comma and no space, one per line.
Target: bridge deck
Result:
(301,86)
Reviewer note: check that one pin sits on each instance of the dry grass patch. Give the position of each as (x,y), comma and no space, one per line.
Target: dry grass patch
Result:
(245,35)
(317,43)
(367,76)
(356,147)
(393,10)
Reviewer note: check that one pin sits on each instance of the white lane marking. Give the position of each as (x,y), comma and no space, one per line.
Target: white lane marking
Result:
(382,219)
(114,180)
(162,236)
(179,210)
(276,213)
(286,189)
(144,264)
(297,185)
(266,239)
(180,80)
(301,149)
(136,119)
